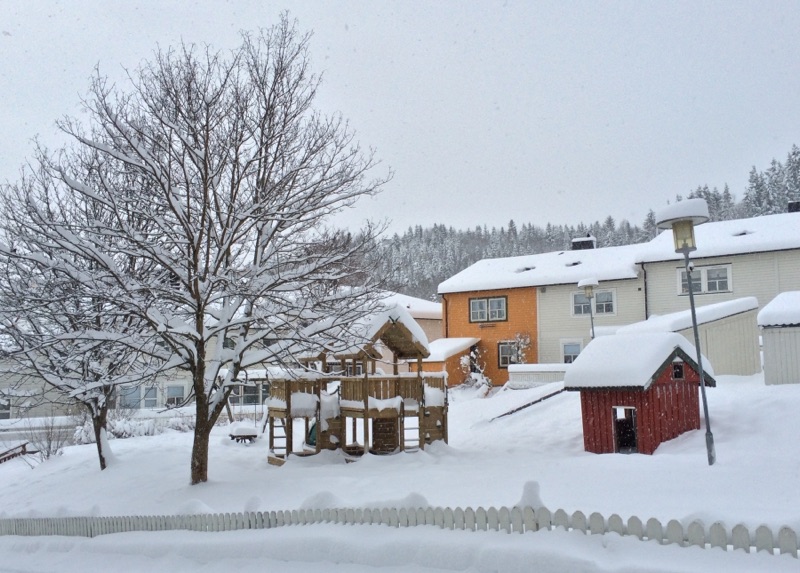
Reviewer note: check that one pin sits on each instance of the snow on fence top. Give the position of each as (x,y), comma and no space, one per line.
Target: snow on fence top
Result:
(783,310)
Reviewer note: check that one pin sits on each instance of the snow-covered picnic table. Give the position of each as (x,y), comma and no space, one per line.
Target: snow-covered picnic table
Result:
(242,433)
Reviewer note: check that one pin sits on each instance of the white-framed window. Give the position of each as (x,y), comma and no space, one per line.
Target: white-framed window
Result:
(150,397)
(604,302)
(490,309)
(706,280)
(507,353)
(570,350)
(175,395)
(250,395)
(357,371)
(130,398)
(580,304)
(5,409)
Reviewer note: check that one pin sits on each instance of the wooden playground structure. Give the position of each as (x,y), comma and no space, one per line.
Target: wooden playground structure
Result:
(368,412)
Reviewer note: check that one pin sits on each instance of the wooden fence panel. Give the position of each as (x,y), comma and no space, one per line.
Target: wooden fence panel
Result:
(529,519)
(635,527)
(469,519)
(718,536)
(696,534)
(597,524)
(492,520)
(481,519)
(438,517)
(765,541)
(458,519)
(561,519)
(787,541)
(516,520)
(740,538)
(675,532)
(654,530)
(578,521)
(616,525)
(504,519)
(544,519)
(449,519)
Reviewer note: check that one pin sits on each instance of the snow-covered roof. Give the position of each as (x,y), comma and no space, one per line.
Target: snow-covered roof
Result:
(608,362)
(417,307)
(682,320)
(443,348)
(758,234)
(371,328)
(558,267)
(754,235)
(783,310)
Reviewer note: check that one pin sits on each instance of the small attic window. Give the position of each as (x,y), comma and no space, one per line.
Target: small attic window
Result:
(573,264)
(743,233)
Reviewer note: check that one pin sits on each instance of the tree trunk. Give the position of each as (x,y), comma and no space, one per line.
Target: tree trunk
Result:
(202,432)
(99,419)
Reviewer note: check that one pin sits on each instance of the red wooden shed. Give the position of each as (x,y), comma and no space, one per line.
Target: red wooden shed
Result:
(637,391)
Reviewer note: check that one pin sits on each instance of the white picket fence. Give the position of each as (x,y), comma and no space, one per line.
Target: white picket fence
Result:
(515,519)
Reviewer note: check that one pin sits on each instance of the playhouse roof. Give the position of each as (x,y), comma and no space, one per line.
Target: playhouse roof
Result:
(418,308)
(783,310)
(757,234)
(608,362)
(393,325)
(682,319)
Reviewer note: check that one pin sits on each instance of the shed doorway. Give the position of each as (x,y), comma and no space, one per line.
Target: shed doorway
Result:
(625,439)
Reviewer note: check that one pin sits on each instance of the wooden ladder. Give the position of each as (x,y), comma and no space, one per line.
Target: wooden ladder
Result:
(411,434)
(278,438)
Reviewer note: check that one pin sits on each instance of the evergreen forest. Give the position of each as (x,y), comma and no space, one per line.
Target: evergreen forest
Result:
(415,262)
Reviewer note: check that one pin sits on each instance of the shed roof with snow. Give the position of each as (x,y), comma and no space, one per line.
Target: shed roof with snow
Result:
(444,348)
(783,310)
(630,361)
(681,320)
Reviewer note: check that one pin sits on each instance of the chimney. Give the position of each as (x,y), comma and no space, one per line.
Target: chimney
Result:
(794,206)
(584,243)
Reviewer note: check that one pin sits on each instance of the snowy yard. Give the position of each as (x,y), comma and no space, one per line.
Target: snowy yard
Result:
(487,463)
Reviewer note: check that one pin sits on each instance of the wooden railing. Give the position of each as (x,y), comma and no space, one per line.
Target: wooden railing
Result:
(358,389)
(14,452)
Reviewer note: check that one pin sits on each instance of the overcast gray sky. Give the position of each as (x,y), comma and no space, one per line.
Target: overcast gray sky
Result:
(542,112)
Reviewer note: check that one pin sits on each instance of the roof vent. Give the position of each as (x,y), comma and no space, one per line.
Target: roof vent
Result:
(584,243)
(743,233)
(525,269)
(573,264)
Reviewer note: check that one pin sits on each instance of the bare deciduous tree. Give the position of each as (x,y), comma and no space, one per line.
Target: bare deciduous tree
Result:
(216,179)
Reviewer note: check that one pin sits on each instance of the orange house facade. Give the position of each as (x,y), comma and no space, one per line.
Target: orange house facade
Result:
(505,321)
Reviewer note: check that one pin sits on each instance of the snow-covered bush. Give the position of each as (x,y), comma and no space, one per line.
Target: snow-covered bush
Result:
(125,427)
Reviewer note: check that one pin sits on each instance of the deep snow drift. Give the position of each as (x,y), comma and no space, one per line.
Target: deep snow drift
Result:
(486,463)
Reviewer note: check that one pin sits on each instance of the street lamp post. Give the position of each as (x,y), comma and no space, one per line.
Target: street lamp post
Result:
(588,290)
(681,218)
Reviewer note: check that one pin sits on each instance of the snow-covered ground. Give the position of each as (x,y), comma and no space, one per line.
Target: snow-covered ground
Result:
(486,463)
